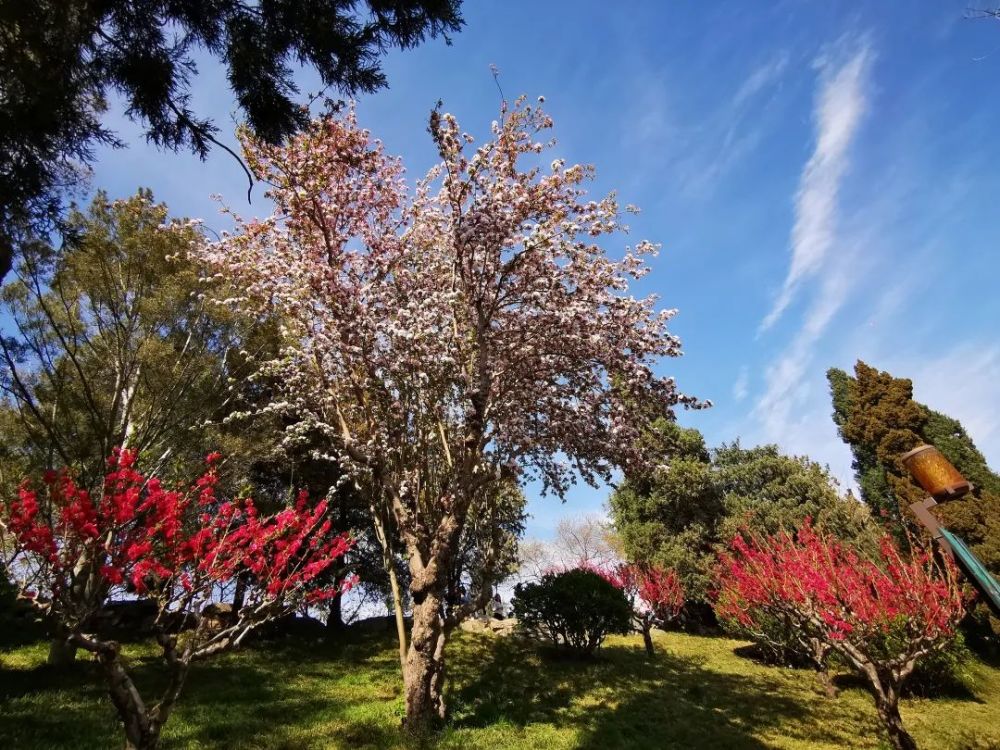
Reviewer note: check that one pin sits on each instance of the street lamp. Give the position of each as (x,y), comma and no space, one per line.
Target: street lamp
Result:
(943,482)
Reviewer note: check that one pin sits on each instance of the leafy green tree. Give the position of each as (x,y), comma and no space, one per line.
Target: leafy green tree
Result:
(115,342)
(767,491)
(674,515)
(60,58)
(668,516)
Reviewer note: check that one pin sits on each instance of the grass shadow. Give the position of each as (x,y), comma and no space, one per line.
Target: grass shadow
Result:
(271,695)
(618,699)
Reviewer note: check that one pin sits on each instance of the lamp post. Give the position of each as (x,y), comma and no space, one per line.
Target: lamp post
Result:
(943,482)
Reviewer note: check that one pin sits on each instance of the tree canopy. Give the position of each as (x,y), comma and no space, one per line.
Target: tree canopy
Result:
(61,61)
(675,514)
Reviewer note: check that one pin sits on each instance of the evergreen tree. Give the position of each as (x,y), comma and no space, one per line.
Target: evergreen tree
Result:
(879,419)
(674,515)
(876,415)
(668,516)
(59,59)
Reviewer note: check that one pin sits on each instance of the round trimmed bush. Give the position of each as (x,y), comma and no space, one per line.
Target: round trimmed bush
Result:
(573,610)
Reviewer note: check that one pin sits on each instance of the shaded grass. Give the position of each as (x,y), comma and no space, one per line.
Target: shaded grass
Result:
(696,693)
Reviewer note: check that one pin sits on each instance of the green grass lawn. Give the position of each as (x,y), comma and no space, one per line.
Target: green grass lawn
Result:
(697,693)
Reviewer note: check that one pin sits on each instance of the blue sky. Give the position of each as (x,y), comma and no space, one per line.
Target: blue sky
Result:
(822,177)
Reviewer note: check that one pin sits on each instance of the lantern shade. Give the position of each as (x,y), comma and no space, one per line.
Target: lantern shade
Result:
(935,473)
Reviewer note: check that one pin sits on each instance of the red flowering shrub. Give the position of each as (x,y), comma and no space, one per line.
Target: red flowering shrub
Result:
(881,614)
(656,595)
(73,553)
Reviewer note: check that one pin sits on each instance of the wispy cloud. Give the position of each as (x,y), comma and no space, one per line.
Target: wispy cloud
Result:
(841,103)
(741,386)
(760,78)
(794,409)
(698,148)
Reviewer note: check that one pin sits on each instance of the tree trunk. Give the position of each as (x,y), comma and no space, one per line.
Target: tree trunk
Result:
(335,616)
(647,639)
(397,597)
(826,682)
(819,652)
(61,652)
(887,704)
(423,675)
(140,732)
(239,595)
(397,607)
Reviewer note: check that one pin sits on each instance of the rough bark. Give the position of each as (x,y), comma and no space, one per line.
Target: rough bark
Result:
(140,732)
(423,675)
(885,689)
(888,711)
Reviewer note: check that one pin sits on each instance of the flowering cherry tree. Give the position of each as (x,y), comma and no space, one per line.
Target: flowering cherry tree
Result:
(882,615)
(443,340)
(74,553)
(656,595)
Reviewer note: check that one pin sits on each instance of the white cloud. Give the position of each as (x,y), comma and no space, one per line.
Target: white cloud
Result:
(964,383)
(762,76)
(741,386)
(841,103)
(794,410)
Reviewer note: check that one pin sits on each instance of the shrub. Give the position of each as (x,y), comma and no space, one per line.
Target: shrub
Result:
(881,614)
(574,610)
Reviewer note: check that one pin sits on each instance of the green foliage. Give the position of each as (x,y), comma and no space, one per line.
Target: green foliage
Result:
(115,341)
(574,610)
(668,516)
(766,491)
(877,416)
(674,514)
(488,548)
(59,58)
(941,673)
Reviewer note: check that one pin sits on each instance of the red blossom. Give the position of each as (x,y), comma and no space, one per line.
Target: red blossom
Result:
(833,592)
(144,533)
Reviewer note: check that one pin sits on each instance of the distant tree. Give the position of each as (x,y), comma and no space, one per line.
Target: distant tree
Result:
(74,551)
(60,59)
(882,613)
(587,540)
(673,515)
